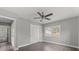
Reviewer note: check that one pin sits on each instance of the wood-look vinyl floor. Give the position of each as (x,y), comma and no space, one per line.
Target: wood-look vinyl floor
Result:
(40,46)
(5,47)
(44,46)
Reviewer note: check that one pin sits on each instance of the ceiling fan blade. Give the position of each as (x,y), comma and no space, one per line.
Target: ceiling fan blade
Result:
(37,18)
(49,14)
(39,13)
(47,18)
(42,13)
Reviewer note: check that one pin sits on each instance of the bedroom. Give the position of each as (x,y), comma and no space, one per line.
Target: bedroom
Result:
(40,28)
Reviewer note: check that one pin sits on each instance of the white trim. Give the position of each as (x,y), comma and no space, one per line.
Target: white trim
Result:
(13,35)
(10,18)
(48,42)
(62,44)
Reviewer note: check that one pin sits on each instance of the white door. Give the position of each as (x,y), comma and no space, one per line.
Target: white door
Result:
(36,33)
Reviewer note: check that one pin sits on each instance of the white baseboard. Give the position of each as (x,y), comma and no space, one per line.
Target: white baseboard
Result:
(48,42)
(16,49)
(62,44)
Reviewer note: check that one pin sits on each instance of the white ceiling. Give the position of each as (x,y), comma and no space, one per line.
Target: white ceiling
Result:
(29,13)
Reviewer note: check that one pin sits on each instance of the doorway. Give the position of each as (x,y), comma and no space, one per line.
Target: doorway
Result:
(5,36)
(5,32)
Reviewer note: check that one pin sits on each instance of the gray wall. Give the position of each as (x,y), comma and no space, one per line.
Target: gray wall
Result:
(78,32)
(22,28)
(23,32)
(68,34)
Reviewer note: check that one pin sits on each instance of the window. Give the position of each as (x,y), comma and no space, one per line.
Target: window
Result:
(53,31)
(56,31)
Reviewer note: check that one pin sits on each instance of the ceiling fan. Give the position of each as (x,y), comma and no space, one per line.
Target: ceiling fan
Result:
(43,16)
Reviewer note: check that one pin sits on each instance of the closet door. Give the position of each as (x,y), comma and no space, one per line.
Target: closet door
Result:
(36,33)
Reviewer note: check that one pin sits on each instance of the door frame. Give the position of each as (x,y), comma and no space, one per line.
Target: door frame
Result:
(13,31)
